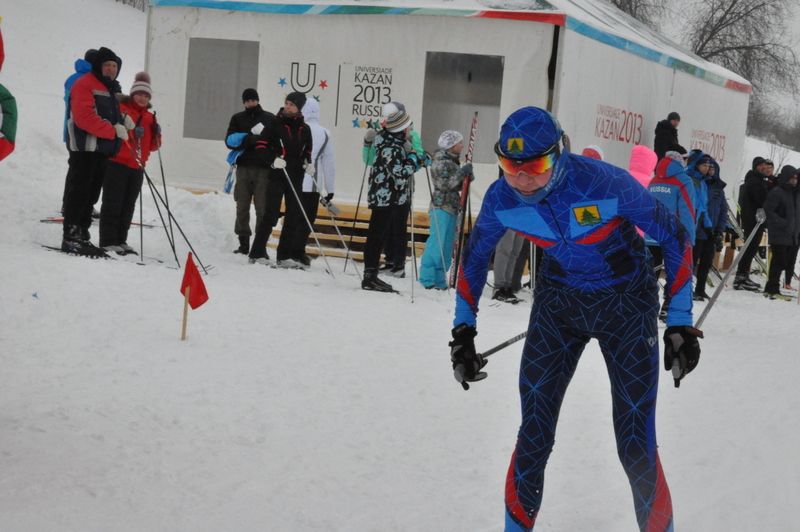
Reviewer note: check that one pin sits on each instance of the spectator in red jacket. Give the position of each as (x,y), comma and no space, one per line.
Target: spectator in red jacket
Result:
(125,171)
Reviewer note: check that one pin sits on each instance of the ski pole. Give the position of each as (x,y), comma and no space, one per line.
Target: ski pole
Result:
(503,345)
(164,181)
(355,218)
(677,371)
(440,235)
(458,371)
(458,243)
(155,192)
(332,209)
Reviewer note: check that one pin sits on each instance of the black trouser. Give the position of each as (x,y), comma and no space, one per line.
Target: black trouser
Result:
(777,264)
(309,201)
(82,187)
(121,187)
(790,263)
(747,254)
(703,255)
(396,242)
(380,226)
(278,189)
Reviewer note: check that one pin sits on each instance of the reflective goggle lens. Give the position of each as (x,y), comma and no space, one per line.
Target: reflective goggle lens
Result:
(531,167)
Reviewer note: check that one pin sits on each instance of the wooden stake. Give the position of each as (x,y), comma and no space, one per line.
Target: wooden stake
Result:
(185,312)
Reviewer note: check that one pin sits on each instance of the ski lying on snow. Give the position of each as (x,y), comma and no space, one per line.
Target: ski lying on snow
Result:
(60,220)
(58,248)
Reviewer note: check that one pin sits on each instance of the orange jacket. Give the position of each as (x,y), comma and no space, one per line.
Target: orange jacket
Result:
(149,141)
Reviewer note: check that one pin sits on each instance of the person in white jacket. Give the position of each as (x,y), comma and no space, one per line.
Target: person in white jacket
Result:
(321,172)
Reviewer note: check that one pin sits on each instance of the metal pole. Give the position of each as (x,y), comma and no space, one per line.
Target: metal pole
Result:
(355,218)
(310,227)
(721,285)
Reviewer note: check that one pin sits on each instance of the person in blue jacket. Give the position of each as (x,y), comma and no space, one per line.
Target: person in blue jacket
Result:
(82,66)
(708,237)
(594,282)
(672,187)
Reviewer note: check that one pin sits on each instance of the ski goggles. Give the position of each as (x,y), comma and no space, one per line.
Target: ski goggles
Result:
(530,166)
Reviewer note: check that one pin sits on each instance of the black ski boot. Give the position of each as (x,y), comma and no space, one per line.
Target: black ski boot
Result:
(372,282)
(742,282)
(74,244)
(244,245)
(506,295)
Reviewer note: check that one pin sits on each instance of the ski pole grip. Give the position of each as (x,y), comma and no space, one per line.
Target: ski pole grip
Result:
(677,373)
(458,373)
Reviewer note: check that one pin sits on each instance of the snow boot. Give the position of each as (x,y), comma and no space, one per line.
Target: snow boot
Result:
(780,296)
(73,243)
(742,282)
(258,258)
(399,272)
(127,249)
(304,259)
(506,295)
(244,245)
(372,282)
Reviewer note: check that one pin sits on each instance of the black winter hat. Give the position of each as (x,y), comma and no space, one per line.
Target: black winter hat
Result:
(673,116)
(297,98)
(105,54)
(786,173)
(90,55)
(250,94)
(758,161)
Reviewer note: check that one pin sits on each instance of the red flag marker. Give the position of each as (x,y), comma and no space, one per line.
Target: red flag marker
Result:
(193,289)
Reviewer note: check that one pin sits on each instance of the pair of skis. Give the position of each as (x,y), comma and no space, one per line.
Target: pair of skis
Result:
(460,239)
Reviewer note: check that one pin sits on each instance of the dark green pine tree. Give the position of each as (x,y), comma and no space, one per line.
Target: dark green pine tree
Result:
(588,218)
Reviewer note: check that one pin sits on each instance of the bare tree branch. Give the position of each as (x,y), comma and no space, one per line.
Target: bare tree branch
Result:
(648,12)
(740,35)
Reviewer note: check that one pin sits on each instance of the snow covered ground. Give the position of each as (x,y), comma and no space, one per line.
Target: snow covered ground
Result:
(302,403)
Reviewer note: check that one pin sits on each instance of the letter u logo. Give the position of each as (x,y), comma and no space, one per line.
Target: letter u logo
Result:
(311,77)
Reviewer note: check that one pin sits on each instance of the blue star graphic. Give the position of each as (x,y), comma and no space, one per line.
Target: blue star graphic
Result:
(282,82)
(355,123)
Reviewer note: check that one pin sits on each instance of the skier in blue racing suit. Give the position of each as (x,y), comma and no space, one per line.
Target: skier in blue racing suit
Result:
(594,282)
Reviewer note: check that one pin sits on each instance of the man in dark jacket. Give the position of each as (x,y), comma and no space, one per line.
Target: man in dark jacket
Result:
(251,174)
(667,136)
(95,131)
(752,195)
(782,208)
(287,150)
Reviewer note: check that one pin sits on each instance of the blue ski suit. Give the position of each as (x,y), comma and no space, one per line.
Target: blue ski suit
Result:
(594,282)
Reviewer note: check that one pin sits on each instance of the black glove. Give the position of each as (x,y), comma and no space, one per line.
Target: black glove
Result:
(466,362)
(718,241)
(681,350)
(329,197)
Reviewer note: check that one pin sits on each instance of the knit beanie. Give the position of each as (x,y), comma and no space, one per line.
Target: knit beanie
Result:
(297,98)
(250,94)
(141,83)
(397,122)
(449,138)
